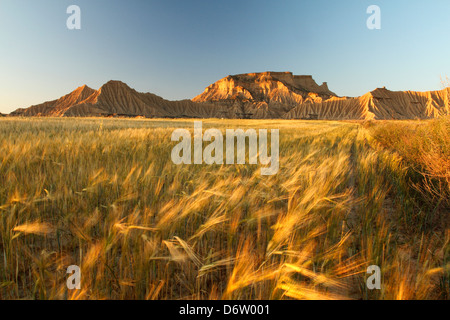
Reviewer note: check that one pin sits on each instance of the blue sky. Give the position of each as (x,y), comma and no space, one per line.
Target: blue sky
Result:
(176,48)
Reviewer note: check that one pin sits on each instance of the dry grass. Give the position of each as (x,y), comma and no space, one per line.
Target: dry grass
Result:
(425,147)
(104,195)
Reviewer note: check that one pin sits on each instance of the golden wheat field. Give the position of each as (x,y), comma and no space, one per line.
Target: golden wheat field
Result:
(103,194)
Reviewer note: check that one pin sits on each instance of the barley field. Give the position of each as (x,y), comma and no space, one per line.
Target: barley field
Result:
(103,194)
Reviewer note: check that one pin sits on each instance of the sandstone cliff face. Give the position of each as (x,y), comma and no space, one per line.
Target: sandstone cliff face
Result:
(284,95)
(264,95)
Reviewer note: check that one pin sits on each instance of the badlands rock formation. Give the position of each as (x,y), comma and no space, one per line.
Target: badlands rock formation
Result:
(263,95)
(380,104)
(255,95)
(284,95)
(115,98)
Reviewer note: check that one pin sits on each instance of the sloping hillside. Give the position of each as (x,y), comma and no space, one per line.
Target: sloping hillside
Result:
(264,95)
(380,104)
(116,98)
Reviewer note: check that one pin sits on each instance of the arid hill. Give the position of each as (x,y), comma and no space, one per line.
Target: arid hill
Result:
(284,95)
(263,95)
(380,104)
(115,98)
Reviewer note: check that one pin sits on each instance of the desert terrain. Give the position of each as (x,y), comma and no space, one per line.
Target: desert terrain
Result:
(266,95)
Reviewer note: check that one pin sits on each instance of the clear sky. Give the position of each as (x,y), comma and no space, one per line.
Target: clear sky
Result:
(176,48)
